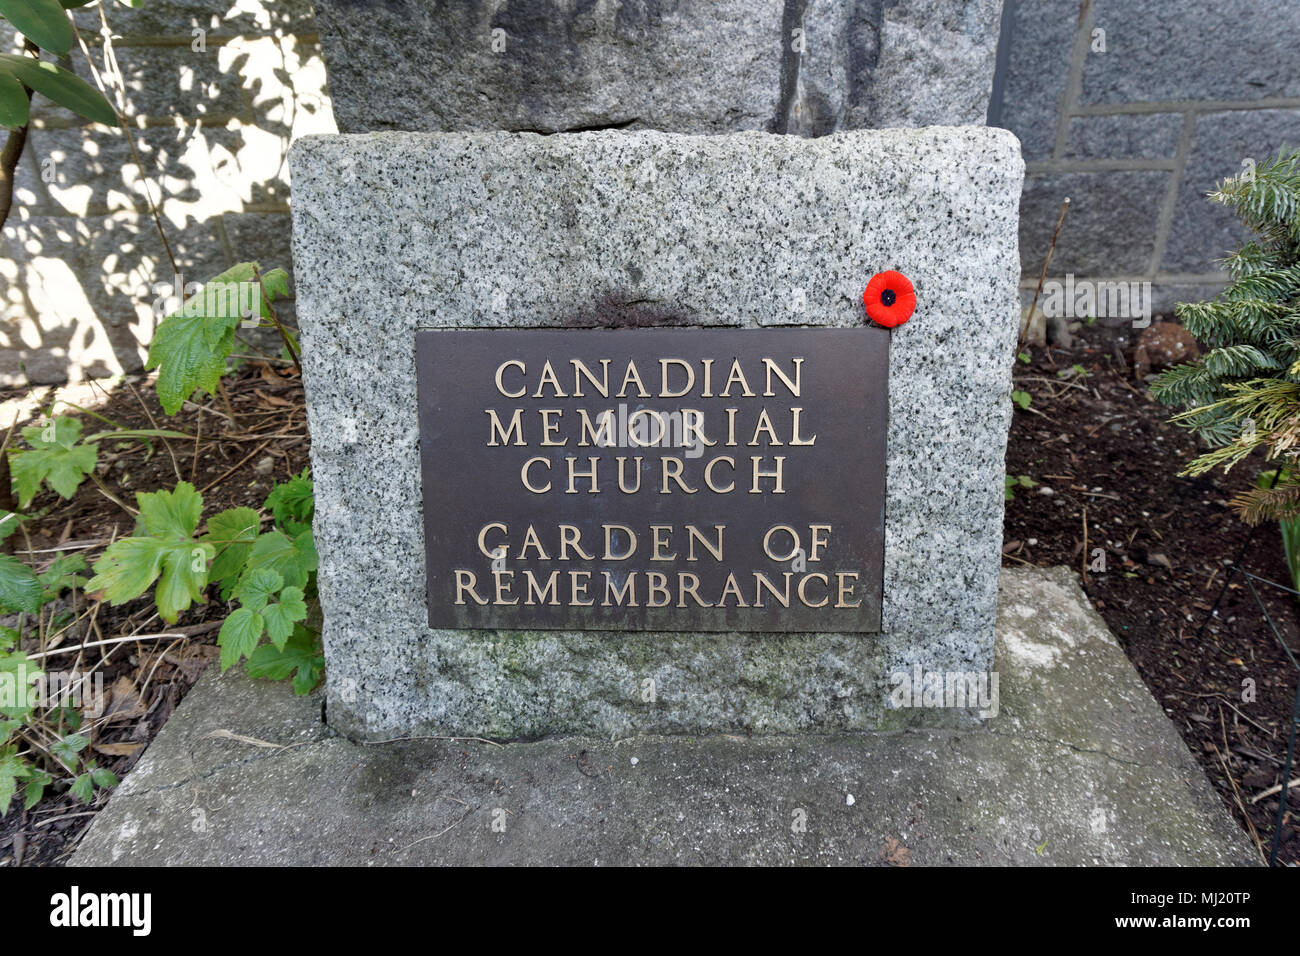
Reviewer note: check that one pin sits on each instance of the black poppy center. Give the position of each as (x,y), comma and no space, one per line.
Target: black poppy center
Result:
(888,297)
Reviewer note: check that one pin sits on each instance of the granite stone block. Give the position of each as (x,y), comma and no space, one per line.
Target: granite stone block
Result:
(935,64)
(542,65)
(398,232)
(801,66)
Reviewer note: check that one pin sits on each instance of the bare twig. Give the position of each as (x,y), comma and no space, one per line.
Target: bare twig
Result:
(152,421)
(397,740)
(1043,276)
(110,63)
(230,471)
(1276,788)
(1083,557)
(266,296)
(105,643)
(13,150)
(1250,825)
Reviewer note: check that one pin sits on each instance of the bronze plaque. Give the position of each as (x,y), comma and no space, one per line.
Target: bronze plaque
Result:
(654,479)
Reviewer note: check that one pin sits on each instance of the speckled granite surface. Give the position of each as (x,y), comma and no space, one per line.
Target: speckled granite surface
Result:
(395,232)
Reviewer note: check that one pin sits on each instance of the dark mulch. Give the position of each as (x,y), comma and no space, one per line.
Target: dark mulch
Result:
(233,462)
(1100,447)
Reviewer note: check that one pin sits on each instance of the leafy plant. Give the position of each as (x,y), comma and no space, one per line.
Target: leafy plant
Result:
(61,459)
(191,346)
(1243,394)
(273,586)
(1021,398)
(55,458)
(39,741)
(46,25)
(1289,527)
(1011,482)
(271,574)
(163,549)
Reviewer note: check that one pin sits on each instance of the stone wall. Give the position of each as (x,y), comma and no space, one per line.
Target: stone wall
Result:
(1184,93)
(808,67)
(1135,110)
(215,91)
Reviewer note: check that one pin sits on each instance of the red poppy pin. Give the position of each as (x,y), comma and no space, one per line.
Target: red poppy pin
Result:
(889,298)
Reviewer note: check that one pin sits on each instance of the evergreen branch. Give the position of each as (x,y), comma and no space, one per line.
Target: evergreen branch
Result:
(1269,504)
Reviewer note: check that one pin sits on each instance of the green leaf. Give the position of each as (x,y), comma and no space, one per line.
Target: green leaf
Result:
(277,284)
(301,656)
(281,617)
(127,569)
(103,778)
(257,586)
(293,503)
(83,788)
(44,22)
(1021,398)
(12,769)
(189,359)
(14,105)
(60,85)
(19,588)
(66,750)
(9,522)
(184,576)
(232,533)
(63,573)
(35,788)
(163,549)
(239,636)
(25,674)
(171,514)
(191,346)
(294,558)
(55,458)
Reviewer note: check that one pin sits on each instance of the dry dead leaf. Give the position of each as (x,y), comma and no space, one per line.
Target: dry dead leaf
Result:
(124,701)
(192,661)
(895,854)
(269,375)
(275,401)
(119,749)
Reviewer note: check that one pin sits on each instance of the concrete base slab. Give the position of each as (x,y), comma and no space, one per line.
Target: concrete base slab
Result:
(1079,766)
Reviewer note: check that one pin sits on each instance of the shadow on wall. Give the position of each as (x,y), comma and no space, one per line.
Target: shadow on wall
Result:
(215,93)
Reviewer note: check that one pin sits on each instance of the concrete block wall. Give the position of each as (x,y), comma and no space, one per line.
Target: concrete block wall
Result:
(1135,109)
(215,92)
